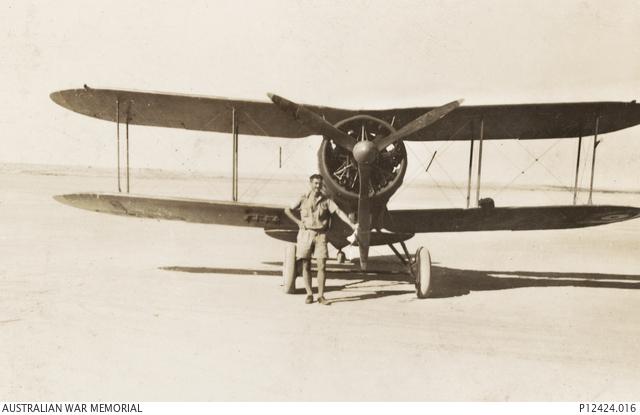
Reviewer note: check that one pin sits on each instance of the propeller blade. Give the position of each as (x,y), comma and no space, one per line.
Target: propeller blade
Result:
(418,124)
(364,214)
(313,121)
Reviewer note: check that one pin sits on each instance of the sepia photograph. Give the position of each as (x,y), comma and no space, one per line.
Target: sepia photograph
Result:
(319,201)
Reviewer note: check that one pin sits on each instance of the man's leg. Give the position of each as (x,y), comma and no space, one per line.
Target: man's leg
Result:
(304,245)
(306,275)
(322,263)
(321,254)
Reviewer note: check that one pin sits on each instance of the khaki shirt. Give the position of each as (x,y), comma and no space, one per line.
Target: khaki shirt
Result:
(315,212)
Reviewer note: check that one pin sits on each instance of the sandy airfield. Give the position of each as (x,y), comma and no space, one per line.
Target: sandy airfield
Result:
(97,307)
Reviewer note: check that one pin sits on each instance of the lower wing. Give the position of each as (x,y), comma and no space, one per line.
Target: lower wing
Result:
(188,210)
(405,222)
(506,218)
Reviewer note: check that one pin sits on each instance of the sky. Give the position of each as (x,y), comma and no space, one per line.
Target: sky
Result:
(351,54)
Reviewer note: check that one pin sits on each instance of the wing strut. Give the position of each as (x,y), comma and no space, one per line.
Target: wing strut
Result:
(126,137)
(470,170)
(234,172)
(127,141)
(118,142)
(593,158)
(479,161)
(575,185)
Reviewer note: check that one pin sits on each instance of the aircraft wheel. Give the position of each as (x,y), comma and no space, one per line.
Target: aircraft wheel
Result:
(423,273)
(341,257)
(289,269)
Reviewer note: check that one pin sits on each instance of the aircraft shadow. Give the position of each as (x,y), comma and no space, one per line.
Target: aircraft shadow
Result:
(451,282)
(232,271)
(446,282)
(347,272)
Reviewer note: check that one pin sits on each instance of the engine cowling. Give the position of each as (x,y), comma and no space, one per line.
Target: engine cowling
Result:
(340,169)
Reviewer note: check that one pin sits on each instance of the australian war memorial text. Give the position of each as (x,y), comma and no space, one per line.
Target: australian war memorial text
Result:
(70,408)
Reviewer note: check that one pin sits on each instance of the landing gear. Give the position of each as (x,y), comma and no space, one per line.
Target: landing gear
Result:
(421,270)
(289,269)
(341,257)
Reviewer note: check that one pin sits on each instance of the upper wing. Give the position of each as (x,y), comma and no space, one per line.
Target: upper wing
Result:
(523,121)
(188,210)
(530,121)
(506,218)
(182,111)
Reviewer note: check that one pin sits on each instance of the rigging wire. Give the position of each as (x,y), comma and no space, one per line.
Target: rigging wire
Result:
(533,163)
(261,183)
(513,163)
(562,185)
(453,183)
(418,172)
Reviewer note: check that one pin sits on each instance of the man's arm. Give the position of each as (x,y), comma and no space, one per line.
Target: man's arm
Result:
(289,212)
(343,216)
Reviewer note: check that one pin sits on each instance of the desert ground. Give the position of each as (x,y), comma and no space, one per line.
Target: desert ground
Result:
(98,307)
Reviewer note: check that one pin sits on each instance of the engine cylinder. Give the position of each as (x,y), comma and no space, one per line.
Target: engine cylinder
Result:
(340,169)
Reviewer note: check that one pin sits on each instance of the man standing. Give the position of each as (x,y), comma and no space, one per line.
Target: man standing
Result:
(315,213)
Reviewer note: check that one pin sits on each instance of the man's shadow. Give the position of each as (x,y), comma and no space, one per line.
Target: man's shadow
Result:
(445,282)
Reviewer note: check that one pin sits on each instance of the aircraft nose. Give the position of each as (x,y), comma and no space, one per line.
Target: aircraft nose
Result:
(365,152)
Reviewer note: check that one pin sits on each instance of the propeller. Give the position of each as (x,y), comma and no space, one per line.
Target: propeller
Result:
(364,152)
(364,214)
(313,121)
(416,125)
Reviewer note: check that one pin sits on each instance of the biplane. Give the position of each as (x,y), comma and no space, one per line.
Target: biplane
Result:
(363,160)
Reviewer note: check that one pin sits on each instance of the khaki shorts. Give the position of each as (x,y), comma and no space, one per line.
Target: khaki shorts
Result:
(310,241)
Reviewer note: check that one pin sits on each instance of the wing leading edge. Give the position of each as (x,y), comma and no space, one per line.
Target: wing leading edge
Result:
(507,218)
(187,210)
(522,121)
(405,222)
